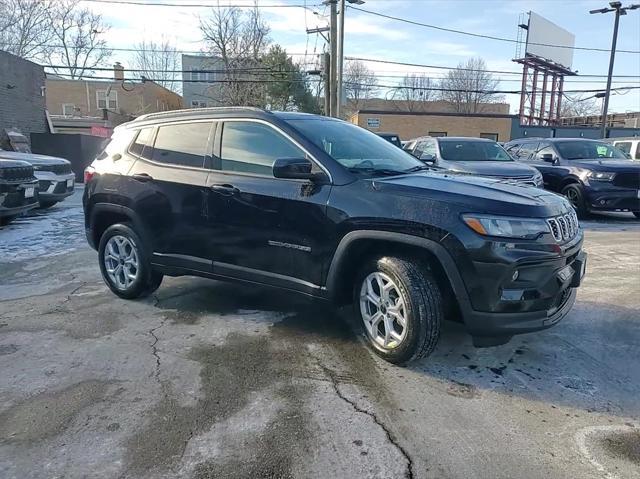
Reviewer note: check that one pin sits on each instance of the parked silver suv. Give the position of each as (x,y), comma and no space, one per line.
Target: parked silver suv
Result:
(56,179)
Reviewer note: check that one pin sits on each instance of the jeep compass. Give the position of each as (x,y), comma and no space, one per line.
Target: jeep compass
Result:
(324,208)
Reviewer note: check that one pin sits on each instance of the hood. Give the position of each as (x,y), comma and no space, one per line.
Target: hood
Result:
(479,195)
(12,163)
(616,166)
(32,158)
(490,168)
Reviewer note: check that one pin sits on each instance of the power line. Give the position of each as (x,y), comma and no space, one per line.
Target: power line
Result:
(390,62)
(198,5)
(372,85)
(479,35)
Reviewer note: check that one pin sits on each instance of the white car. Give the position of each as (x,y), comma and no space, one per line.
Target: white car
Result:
(629,146)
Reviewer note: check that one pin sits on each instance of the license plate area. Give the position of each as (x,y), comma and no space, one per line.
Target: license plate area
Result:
(29,192)
(70,183)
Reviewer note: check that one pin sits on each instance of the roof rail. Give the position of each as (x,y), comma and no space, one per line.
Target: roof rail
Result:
(170,113)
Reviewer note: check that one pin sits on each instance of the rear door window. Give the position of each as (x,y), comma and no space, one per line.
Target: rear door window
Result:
(183,144)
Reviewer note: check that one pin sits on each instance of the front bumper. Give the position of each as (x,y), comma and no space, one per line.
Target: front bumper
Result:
(14,199)
(610,198)
(54,187)
(513,290)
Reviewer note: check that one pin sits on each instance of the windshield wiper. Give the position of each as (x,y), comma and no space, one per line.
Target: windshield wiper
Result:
(380,171)
(418,168)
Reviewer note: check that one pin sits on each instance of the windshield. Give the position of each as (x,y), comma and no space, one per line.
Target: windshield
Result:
(588,150)
(469,150)
(355,148)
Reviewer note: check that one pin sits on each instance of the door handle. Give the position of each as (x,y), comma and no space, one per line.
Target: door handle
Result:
(143,177)
(225,189)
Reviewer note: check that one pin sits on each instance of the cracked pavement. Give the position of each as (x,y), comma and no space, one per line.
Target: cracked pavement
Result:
(213,380)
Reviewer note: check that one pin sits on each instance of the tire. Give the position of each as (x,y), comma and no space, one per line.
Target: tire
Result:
(636,214)
(423,308)
(575,195)
(46,204)
(117,243)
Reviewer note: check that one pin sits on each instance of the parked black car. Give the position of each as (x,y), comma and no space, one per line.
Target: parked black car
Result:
(475,156)
(55,178)
(18,189)
(593,175)
(321,207)
(392,138)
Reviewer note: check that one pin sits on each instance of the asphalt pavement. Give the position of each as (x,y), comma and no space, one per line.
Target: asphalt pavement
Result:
(212,380)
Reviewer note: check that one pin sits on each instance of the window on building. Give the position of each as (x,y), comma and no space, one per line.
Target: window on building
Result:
(211,76)
(489,136)
(142,145)
(68,109)
(437,133)
(182,144)
(251,147)
(109,102)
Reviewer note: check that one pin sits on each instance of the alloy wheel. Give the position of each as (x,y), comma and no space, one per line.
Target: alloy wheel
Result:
(121,261)
(383,310)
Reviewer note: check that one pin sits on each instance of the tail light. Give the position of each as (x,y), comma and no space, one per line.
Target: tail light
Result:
(89,173)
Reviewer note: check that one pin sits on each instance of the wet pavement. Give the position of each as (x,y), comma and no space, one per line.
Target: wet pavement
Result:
(207,380)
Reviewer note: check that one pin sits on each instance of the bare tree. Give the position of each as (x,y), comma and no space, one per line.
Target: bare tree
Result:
(239,39)
(470,87)
(578,105)
(360,83)
(414,91)
(25,28)
(78,33)
(157,61)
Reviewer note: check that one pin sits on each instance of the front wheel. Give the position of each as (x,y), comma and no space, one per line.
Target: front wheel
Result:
(401,308)
(124,263)
(575,195)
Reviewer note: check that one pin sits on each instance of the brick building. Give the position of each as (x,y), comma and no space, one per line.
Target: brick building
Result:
(22,101)
(115,100)
(407,125)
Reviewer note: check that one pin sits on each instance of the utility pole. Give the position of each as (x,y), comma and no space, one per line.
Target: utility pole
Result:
(333,44)
(340,58)
(619,10)
(327,81)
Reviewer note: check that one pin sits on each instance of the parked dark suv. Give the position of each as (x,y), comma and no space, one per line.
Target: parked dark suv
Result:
(321,207)
(18,189)
(474,156)
(593,175)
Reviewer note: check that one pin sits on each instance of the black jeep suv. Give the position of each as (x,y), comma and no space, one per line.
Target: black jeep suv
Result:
(593,175)
(324,208)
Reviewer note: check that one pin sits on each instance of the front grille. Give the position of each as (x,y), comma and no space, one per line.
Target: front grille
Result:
(520,179)
(564,227)
(627,180)
(61,169)
(17,173)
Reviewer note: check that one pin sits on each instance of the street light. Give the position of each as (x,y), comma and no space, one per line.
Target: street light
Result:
(620,10)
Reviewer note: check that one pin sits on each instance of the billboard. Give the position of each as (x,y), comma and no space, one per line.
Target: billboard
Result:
(542,31)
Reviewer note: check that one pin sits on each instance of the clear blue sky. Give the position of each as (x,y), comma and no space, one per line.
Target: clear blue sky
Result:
(378,38)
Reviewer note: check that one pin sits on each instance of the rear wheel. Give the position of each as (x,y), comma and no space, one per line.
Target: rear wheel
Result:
(575,195)
(5,220)
(124,263)
(401,308)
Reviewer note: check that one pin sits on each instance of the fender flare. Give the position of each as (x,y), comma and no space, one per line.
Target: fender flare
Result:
(436,249)
(100,208)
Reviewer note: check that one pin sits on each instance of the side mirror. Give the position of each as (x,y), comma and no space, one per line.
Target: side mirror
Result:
(548,157)
(293,169)
(429,159)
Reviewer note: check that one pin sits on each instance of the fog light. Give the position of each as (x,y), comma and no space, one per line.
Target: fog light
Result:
(602,202)
(516,273)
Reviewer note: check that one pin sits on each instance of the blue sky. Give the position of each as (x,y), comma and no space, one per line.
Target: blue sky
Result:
(378,38)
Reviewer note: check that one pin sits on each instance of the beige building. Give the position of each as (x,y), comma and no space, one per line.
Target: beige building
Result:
(117,101)
(408,125)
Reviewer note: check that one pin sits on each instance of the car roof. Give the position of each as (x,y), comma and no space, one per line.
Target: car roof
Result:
(453,138)
(552,140)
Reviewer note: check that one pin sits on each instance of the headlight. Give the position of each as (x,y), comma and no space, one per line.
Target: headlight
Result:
(506,227)
(600,176)
(537,179)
